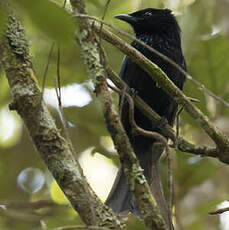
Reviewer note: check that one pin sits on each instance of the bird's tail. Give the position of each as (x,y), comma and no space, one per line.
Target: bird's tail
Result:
(121,199)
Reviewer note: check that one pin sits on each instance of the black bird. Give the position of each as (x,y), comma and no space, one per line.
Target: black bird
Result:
(159,29)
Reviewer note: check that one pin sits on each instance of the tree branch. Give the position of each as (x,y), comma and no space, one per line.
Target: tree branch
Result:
(55,151)
(91,51)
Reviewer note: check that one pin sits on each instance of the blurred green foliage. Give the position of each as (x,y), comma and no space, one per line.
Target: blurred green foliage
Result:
(200,183)
(49,18)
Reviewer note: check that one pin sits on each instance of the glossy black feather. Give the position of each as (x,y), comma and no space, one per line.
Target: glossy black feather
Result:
(158,29)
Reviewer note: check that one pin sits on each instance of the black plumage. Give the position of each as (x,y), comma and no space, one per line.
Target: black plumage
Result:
(159,29)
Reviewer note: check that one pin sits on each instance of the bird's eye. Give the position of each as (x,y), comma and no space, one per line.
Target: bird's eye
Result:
(148,13)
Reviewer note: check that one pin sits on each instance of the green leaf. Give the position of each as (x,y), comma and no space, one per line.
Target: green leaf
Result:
(53,20)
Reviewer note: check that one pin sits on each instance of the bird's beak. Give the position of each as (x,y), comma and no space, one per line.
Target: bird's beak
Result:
(127,18)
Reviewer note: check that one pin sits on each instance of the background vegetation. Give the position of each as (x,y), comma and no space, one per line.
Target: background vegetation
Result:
(200,183)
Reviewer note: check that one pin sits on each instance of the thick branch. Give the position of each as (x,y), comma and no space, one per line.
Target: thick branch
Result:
(27,101)
(91,50)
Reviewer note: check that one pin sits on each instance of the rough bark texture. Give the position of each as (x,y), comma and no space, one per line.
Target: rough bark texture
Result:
(55,151)
(95,65)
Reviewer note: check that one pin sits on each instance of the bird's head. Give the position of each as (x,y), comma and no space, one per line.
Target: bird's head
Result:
(151,20)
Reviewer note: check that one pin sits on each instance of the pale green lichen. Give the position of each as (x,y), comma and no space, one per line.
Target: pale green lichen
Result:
(91,56)
(108,219)
(23,89)
(16,35)
(136,176)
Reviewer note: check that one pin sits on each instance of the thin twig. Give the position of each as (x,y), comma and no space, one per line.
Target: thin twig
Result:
(28,205)
(177,211)
(170,180)
(77,227)
(58,94)
(179,68)
(46,68)
(122,96)
(64,4)
(58,75)
(177,122)
(103,17)
(101,53)
(219,211)
(178,118)
(64,121)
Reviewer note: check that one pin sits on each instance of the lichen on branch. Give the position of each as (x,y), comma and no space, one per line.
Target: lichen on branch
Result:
(52,147)
(97,69)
